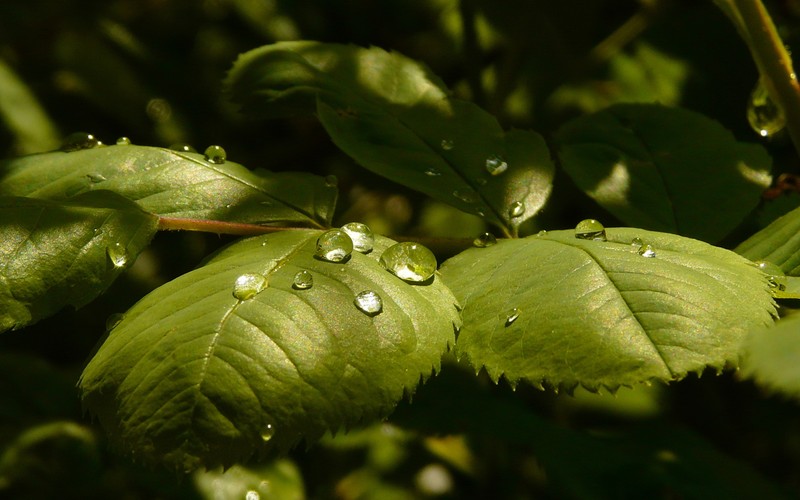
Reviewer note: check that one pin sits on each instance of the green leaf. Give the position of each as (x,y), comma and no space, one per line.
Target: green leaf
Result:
(778,243)
(194,376)
(600,314)
(22,114)
(395,118)
(772,357)
(665,169)
(59,253)
(174,184)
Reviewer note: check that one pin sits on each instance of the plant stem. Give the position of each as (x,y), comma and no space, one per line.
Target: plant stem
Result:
(772,59)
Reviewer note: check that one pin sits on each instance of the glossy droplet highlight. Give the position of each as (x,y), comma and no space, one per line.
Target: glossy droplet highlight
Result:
(409,261)
(369,302)
(512,316)
(117,254)
(268,432)
(516,209)
(361,234)
(432,172)
(496,165)
(78,141)
(636,244)
(248,285)
(215,154)
(590,229)
(303,280)
(123,141)
(647,251)
(334,246)
(466,195)
(484,240)
(775,275)
(183,147)
(764,114)
(96,177)
(447,144)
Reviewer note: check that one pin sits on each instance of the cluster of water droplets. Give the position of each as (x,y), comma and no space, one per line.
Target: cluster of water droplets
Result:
(78,141)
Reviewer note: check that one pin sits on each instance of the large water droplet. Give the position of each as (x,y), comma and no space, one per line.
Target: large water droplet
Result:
(447,144)
(123,141)
(512,316)
(432,172)
(484,240)
(590,229)
(96,177)
(764,114)
(268,432)
(215,154)
(775,275)
(496,165)
(369,302)
(516,209)
(647,251)
(466,195)
(248,285)
(409,261)
(117,254)
(303,280)
(78,141)
(361,234)
(334,246)
(183,147)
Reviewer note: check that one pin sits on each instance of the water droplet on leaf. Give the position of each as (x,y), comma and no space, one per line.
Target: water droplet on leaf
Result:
(484,240)
(447,144)
(96,177)
(215,154)
(334,246)
(590,229)
(361,234)
(512,316)
(183,147)
(466,195)
(647,251)
(636,244)
(764,114)
(303,280)
(268,432)
(542,232)
(775,275)
(409,261)
(78,141)
(248,285)
(516,209)
(117,254)
(369,302)
(331,181)
(123,141)
(432,172)
(496,165)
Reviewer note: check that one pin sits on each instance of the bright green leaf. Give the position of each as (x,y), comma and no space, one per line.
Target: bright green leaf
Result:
(772,357)
(174,184)
(665,169)
(59,253)
(194,376)
(778,243)
(570,311)
(395,118)
(22,114)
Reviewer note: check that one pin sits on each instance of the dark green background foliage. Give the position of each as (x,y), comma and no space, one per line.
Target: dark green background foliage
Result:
(577,95)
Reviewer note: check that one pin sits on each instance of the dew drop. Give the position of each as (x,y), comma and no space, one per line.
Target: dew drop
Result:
(96,177)
(775,275)
(252,495)
(409,261)
(516,209)
(123,141)
(303,280)
(484,240)
(78,141)
(447,144)
(542,232)
(334,246)
(331,181)
(248,285)
(369,302)
(636,244)
(764,114)
(432,172)
(113,320)
(590,229)
(466,195)
(512,316)
(268,432)
(647,251)
(183,147)
(361,234)
(215,154)
(117,254)
(496,165)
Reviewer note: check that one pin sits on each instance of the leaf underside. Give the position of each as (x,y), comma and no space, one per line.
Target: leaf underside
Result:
(600,314)
(778,243)
(194,376)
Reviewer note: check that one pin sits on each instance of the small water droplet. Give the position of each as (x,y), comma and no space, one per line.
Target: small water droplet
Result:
(775,275)
(496,165)
(331,181)
(466,195)
(183,147)
(636,244)
(516,209)
(303,280)
(432,172)
(252,495)
(484,240)
(647,251)
(590,229)
(268,432)
(117,254)
(369,302)
(361,234)
(123,141)
(409,261)
(113,320)
(215,154)
(78,141)
(96,177)
(512,316)
(248,285)
(447,144)
(542,232)
(764,114)
(334,246)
